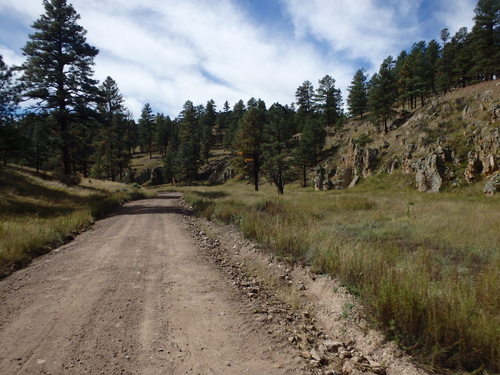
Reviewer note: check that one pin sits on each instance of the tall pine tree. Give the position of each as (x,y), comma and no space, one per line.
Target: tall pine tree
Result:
(112,154)
(277,146)
(57,73)
(328,100)
(8,101)
(382,94)
(357,100)
(485,39)
(147,129)
(249,142)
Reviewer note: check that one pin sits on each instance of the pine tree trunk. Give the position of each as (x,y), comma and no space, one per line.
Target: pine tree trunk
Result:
(37,158)
(304,182)
(256,173)
(66,159)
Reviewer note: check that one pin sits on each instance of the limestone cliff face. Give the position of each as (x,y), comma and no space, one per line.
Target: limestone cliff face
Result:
(454,139)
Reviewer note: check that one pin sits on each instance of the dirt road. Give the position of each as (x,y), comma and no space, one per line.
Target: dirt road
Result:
(134,295)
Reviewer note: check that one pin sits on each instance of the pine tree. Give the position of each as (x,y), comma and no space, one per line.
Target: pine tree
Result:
(419,68)
(147,129)
(382,93)
(188,153)
(462,58)
(277,146)
(357,99)
(304,96)
(57,73)
(38,130)
(8,106)
(310,146)
(233,118)
(249,142)
(164,128)
(444,64)
(222,123)
(328,100)
(208,122)
(432,55)
(485,40)
(131,134)
(112,154)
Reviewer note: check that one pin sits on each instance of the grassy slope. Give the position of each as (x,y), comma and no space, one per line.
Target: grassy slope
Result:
(37,214)
(142,161)
(425,265)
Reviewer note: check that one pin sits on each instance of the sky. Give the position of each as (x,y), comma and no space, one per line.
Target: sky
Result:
(165,52)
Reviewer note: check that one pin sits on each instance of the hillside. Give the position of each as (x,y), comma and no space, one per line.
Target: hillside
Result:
(450,142)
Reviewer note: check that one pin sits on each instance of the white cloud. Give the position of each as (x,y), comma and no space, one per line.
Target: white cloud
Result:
(364,29)
(455,14)
(194,50)
(10,57)
(166,52)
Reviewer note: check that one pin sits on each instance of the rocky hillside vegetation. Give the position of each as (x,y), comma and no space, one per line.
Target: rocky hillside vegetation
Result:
(451,141)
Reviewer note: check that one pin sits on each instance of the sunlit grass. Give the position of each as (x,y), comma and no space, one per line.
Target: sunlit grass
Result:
(37,214)
(426,266)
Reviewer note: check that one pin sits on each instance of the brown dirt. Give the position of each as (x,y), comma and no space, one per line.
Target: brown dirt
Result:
(136,295)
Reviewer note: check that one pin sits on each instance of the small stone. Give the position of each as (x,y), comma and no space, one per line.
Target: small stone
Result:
(317,356)
(331,345)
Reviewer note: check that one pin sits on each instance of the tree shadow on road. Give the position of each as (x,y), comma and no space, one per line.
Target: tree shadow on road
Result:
(151,210)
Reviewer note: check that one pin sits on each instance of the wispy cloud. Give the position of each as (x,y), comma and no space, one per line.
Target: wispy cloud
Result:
(455,14)
(362,29)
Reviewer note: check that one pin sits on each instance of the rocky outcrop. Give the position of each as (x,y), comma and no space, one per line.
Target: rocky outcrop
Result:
(359,161)
(217,171)
(484,158)
(429,173)
(321,180)
(492,185)
(369,161)
(451,139)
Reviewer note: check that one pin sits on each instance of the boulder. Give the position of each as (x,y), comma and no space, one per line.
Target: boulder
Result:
(429,172)
(484,158)
(474,167)
(492,185)
(321,180)
(354,182)
(217,171)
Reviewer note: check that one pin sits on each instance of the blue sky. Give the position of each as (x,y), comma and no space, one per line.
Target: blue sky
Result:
(168,51)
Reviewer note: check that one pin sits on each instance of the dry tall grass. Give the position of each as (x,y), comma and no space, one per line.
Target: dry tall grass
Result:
(426,266)
(37,214)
